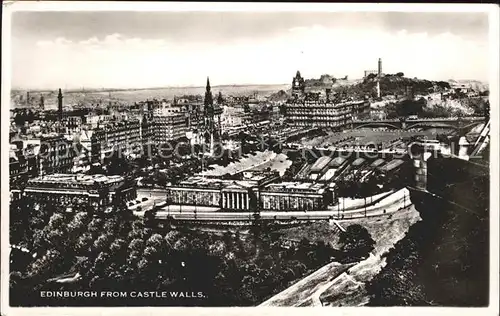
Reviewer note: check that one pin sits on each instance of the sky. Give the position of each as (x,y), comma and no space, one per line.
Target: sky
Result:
(157,49)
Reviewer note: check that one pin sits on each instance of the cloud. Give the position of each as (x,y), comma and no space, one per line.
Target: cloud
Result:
(44,43)
(113,39)
(59,42)
(116,60)
(91,41)
(62,41)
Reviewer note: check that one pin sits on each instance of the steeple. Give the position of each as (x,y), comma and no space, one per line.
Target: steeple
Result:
(208,99)
(220,100)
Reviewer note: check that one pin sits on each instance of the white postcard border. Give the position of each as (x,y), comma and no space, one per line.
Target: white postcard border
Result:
(11,6)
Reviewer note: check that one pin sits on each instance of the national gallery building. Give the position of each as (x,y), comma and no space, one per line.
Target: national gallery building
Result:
(98,191)
(251,191)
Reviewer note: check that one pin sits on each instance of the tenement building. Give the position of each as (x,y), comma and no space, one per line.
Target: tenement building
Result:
(23,164)
(118,135)
(56,153)
(170,126)
(317,109)
(68,190)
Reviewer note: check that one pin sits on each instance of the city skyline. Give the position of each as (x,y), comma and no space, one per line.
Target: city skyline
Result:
(163,49)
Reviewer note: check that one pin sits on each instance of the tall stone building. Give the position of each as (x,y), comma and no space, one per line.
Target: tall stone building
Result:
(298,85)
(322,108)
(212,119)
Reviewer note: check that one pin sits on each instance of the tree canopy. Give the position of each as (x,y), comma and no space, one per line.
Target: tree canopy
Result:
(356,243)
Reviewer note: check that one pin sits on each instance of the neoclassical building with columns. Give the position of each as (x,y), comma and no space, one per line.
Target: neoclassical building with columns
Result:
(249,193)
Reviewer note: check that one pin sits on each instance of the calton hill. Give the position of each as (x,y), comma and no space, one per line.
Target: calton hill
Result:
(393,89)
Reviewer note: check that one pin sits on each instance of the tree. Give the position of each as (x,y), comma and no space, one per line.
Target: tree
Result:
(171,237)
(400,74)
(150,252)
(95,225)
(156,241)
(57,239)
(14,277)
(323,252)
(137,230)
(77,226)
(83,243)
(356,243)
(181,245)
(56,221)
(46,264)
(78,223)
(143,264)
(110,226)
(410,107)
(133,258)
(117,247)
(102,242)
(149,218)
(101,259)
(83,265)
(117,164)
(136,245)
(218,248)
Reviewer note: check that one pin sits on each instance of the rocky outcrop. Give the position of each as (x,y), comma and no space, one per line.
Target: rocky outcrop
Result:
(443,260)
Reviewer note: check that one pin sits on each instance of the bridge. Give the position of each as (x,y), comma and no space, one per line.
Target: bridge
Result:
(420,154)
(455,123)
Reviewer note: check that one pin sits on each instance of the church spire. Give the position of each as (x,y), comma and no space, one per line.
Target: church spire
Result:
(220,100)
(208,98)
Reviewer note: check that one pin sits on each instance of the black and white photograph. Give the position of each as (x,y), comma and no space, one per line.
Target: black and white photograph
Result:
(253,155)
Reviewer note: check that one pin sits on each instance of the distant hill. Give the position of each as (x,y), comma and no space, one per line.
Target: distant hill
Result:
(390,85)
(323,81)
